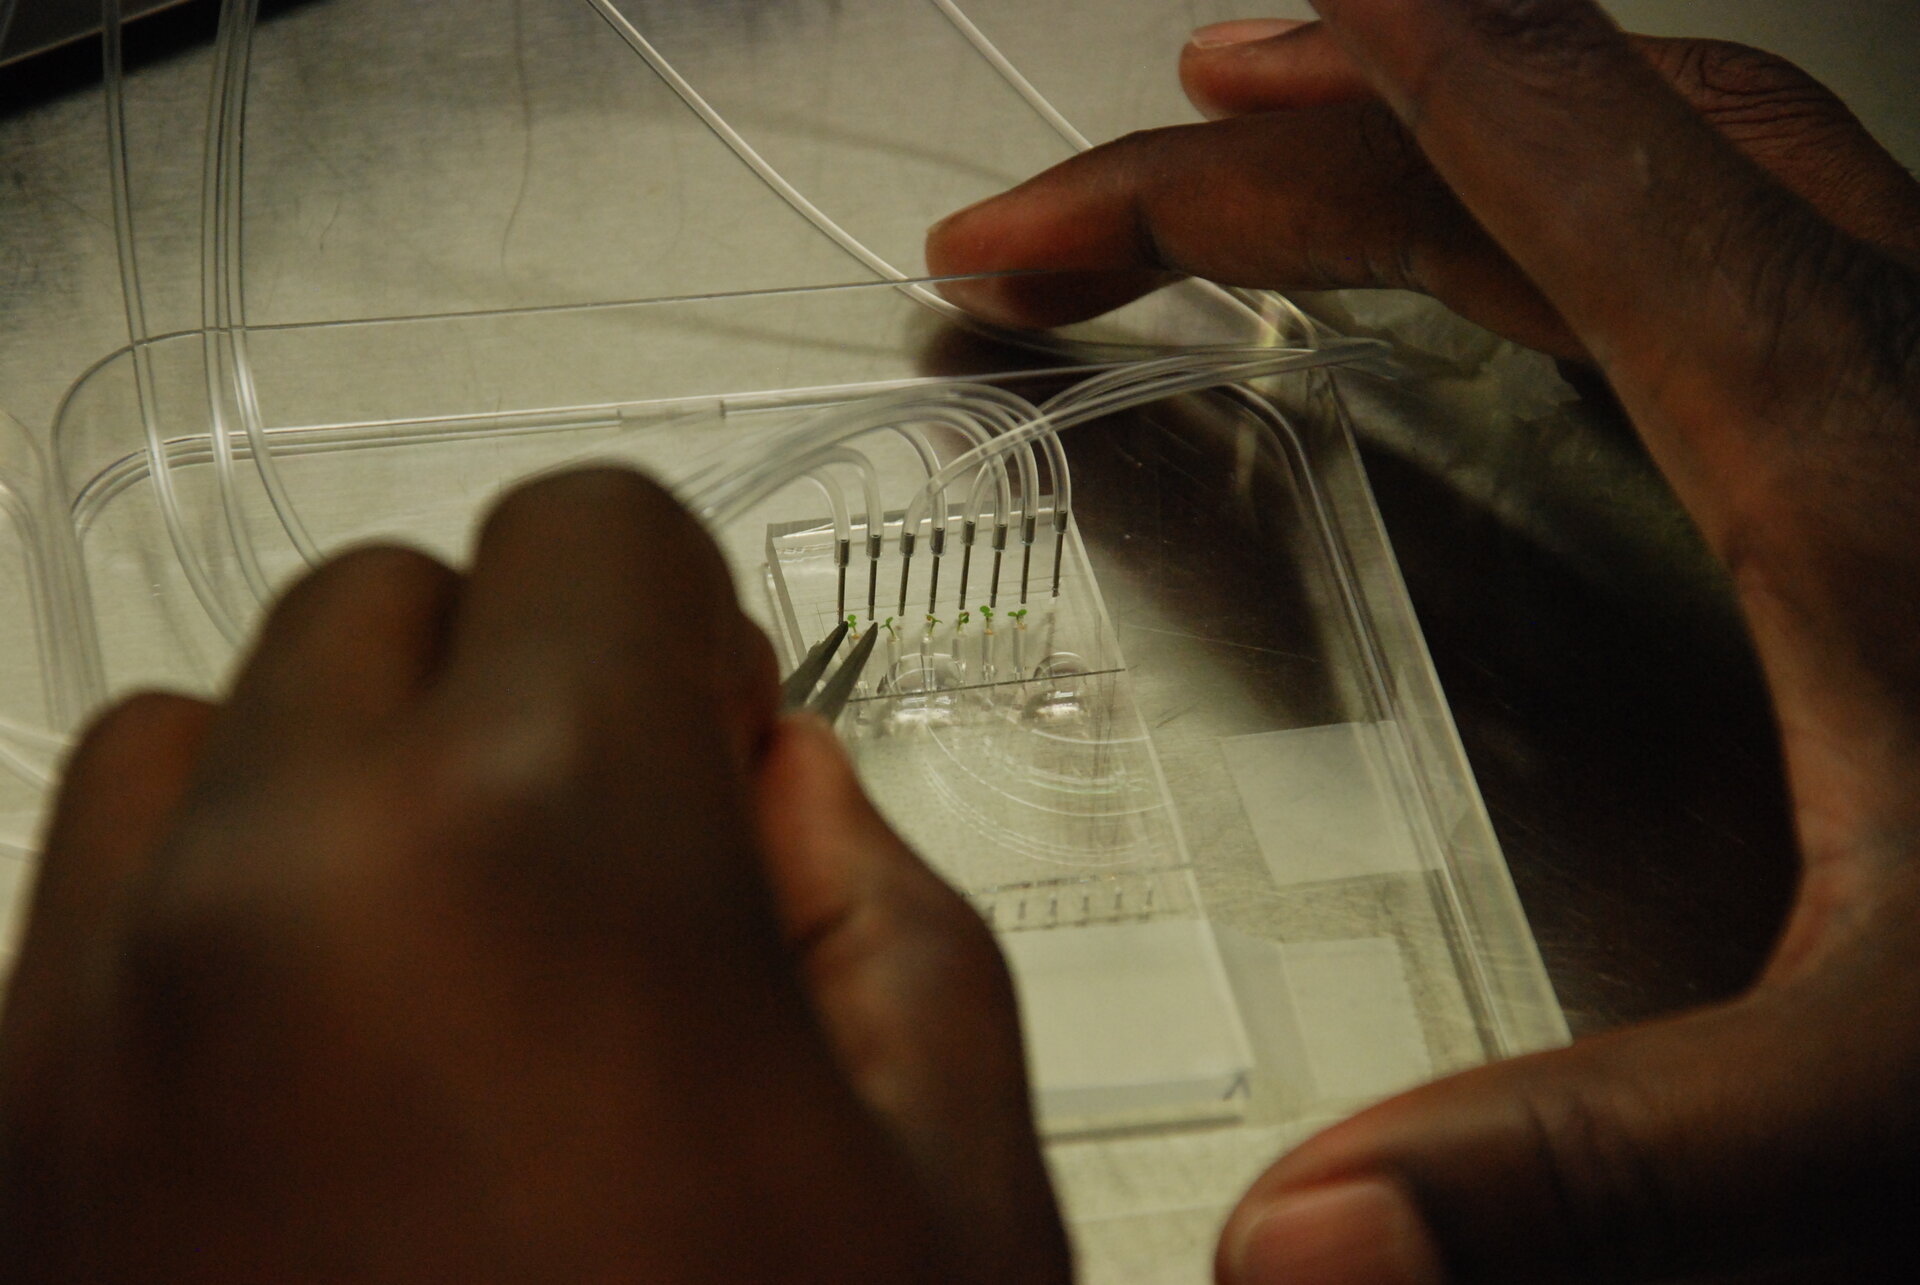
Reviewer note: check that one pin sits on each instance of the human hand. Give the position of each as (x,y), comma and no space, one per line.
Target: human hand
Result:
(1307,180)
(1738,263)
(496,929)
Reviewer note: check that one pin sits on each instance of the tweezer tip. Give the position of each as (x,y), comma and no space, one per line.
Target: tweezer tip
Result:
(833,697)
(800,684)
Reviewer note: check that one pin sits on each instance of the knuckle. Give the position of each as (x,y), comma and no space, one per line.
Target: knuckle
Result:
(386,564)
(620,505)
(131,725)
(1138,163)
(142,714)
(516,770)
(594,489)
(1137,160)
(1866,311)
(1600,1177)
(1826,302)
(1384,143)
(384,569)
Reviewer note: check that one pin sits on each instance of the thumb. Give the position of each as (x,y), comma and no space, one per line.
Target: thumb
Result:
(1753,1132)
(915,1001)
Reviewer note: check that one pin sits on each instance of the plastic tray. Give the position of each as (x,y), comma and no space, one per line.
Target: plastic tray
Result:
(1233,850)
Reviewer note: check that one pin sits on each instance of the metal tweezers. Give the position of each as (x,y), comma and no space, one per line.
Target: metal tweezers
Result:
(798,691)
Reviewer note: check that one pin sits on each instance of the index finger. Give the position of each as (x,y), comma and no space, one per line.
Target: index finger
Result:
(1322,198)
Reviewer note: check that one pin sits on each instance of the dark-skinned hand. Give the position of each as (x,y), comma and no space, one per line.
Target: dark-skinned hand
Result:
(496,929)
(1721,239)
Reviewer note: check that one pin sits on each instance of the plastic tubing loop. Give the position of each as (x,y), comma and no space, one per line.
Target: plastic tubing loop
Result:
(219,177)
(1117,394)
(995,477)
(989,412)
(836,502)
(1100,396)
(229,366)
(869,485)
(916,437)
(726,498)
(224,298)
(1004,412)
(975,411)
(139,338)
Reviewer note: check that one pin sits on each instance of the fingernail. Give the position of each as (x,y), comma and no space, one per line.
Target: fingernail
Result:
(1354,1233)
(1241,31)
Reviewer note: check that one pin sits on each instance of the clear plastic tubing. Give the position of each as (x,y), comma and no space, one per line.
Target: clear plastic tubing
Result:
(875,518)
(1118,394)
(930,464)
(798,451)
(976,411)
(159,467)
(836,504)
(29,752)
(984,417)
(1062,502)
(223,298)
(997,412)
(219,175)
(841,521)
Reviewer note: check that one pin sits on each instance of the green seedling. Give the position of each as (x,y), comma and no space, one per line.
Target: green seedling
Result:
(853,623)
(1020,616)
(887,625)
(960,621)
(986,617)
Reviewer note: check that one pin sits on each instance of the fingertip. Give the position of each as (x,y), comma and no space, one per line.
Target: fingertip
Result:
(988,299)
(1363,1231)
(1295,65)
(961,243)
(972,241)
(1063,256)
(143,747)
